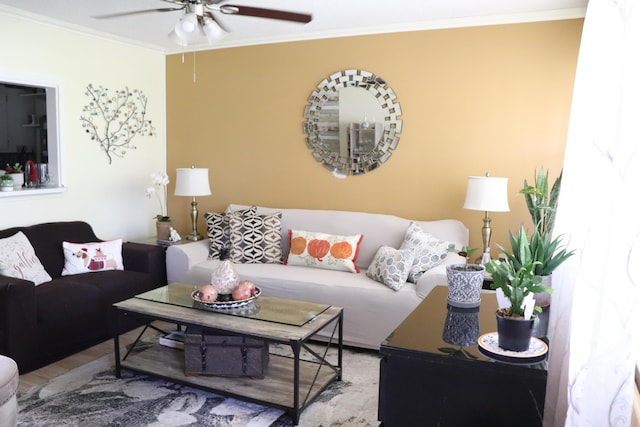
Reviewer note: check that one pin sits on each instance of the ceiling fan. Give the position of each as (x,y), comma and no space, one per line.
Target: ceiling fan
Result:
(198,19)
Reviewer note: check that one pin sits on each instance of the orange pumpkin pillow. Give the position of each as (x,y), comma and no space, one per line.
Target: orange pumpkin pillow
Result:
(322,250)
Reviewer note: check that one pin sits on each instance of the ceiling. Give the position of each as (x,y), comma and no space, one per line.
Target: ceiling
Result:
(331,18)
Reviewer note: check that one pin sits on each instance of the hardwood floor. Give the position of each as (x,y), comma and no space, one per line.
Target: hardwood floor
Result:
(44,374)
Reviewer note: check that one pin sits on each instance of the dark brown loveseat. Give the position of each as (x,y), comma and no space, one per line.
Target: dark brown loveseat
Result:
(45,323)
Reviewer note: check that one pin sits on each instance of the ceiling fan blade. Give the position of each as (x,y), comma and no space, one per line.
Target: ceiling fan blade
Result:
(217,21)
(259,12)
(138,12)
(178,2)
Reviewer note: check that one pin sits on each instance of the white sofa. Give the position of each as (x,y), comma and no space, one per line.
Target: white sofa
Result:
(8,387)
(371,309)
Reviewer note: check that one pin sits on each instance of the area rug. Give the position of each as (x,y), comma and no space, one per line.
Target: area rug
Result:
(92,396)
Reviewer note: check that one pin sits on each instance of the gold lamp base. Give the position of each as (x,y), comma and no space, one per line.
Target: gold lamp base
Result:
(194,221)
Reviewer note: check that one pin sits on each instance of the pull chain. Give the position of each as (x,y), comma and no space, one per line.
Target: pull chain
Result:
(194,67)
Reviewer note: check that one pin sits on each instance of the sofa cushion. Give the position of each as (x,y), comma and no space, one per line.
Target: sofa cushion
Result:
(255,239)
(323,250)
(92,256)
(429,251)
(218,231)
(18,259)
(391,266)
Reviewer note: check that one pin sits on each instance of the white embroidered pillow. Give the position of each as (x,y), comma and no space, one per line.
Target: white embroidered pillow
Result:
(322,250)
(18,259)
(429,251)
(91,257)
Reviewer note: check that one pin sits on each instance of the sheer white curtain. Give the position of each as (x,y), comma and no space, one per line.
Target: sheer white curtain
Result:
(595,322)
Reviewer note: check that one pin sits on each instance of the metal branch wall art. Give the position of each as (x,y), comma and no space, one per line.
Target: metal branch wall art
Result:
(114,120)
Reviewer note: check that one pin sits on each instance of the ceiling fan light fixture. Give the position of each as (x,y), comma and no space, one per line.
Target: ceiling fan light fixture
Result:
(174,37)
(212,30)
(188,24)
(187,30)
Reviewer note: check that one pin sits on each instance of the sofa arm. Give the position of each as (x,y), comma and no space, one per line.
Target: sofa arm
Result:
(144,258)
(181,258)
(437,275)
(18,318)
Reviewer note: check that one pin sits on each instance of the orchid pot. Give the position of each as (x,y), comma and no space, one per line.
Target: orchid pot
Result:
(163,229)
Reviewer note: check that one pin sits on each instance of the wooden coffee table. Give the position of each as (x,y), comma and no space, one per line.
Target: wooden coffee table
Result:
(291,381)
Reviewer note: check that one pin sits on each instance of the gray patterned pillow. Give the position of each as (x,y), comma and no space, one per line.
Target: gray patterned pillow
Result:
(255,239)
(218,231)
(429,251)
(391,266)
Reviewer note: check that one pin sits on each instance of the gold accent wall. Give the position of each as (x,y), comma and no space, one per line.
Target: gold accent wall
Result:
(490,98)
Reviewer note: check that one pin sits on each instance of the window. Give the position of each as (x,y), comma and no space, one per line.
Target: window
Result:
(29,134)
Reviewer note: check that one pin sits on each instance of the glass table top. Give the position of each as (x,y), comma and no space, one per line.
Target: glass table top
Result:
(278,310)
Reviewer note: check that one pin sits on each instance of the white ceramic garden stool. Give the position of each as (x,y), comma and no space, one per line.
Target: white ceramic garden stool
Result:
(8,387)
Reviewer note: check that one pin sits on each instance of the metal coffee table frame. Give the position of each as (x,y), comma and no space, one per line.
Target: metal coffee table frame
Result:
(281,387)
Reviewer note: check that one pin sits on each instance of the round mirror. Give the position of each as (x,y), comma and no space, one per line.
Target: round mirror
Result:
(352,122)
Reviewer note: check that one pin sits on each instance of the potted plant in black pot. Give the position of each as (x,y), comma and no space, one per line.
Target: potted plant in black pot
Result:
(518,284)
(464,280)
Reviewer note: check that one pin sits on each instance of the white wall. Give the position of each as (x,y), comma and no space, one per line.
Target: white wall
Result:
(111,197)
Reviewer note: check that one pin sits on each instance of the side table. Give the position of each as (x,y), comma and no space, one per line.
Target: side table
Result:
(433,376)
(155,242)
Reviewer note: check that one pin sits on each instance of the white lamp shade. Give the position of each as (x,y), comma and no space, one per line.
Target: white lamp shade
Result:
(192,182)
(487,193)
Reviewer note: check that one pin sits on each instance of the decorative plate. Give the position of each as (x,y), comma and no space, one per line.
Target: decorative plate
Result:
(226,305)
(488,345)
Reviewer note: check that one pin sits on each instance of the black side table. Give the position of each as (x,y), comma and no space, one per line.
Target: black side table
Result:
(433,374)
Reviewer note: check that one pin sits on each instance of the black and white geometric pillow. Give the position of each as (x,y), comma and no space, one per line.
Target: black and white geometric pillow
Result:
(218,231)
(255,239)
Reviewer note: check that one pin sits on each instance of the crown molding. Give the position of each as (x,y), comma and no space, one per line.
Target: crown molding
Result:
(549,15)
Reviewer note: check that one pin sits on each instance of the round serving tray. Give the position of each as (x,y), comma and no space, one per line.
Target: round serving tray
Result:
(226,305)
(488,345)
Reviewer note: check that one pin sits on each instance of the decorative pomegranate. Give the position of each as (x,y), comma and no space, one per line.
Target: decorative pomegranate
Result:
(243,291)
(208,293)
(248,284)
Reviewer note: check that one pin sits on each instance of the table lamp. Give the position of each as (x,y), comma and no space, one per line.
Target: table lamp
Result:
(486,193)
(192,182)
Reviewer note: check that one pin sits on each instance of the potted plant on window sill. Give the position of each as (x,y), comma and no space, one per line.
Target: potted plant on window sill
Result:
(6,183)
(15,172)
(518,285)
(464,280)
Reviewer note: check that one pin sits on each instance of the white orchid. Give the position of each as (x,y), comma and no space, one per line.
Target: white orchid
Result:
(159,181)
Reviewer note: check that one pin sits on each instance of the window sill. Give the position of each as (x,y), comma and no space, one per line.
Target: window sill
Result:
(32,192)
